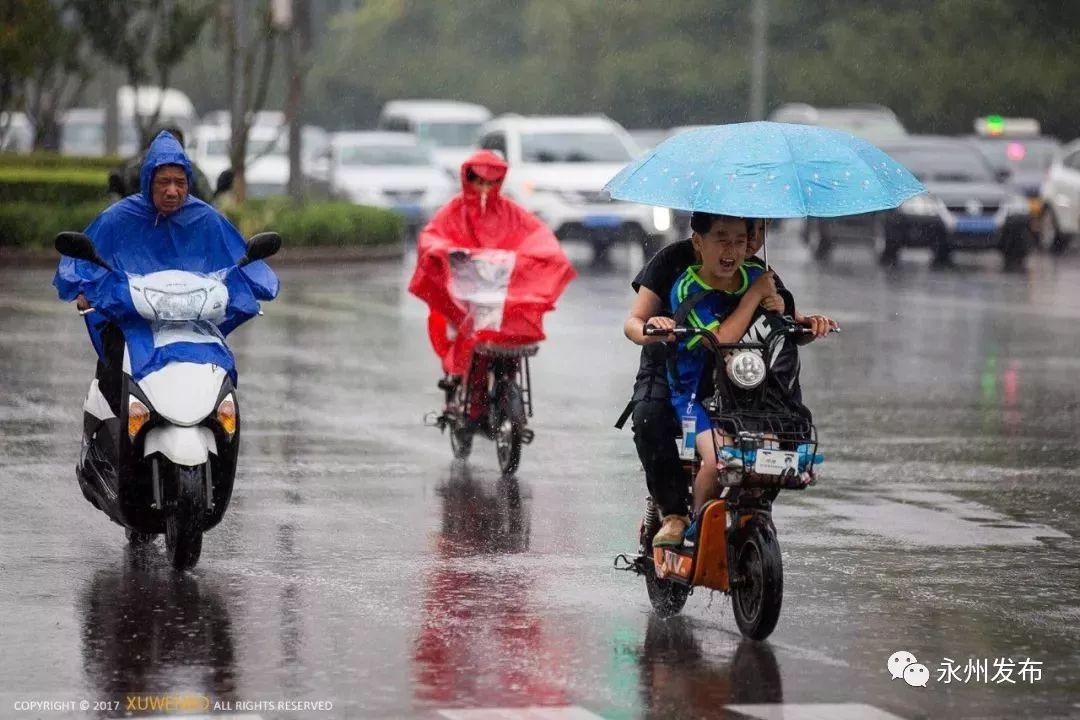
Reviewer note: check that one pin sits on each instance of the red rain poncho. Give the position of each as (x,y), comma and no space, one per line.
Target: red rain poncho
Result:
(497,291)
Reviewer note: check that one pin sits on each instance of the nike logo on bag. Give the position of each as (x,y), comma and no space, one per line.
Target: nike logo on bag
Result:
(759,332)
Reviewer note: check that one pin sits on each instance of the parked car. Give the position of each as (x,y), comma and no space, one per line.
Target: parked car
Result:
(1059,223)
(874,123)
(389,170)
(450,127)
(558,168)
(966,207)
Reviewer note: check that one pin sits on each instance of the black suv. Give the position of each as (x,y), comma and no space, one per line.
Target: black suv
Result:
(967,207)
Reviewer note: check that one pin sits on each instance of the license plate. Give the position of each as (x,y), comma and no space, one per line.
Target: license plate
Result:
(408,210)
(602,221)
(776,462)
(975,225)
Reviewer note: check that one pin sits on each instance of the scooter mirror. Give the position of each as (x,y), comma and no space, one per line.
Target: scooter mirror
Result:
(224,182)
(79,246)
(261,247)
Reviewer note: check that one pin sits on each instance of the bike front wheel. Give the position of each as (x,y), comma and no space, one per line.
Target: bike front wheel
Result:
(758,590)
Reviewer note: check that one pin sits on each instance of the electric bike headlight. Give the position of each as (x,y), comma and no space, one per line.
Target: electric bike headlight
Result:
(226,414)
(138,415)
(746,369)
(176,306)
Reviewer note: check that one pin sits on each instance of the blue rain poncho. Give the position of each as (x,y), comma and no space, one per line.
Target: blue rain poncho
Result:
(134,238)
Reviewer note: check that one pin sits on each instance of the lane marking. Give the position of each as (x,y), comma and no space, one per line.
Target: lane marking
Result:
(814,711)
(526,713)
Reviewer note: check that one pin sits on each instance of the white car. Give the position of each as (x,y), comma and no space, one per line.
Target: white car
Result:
(558,168)
(267,171)
(450,127)
(390,170)
(1059,223)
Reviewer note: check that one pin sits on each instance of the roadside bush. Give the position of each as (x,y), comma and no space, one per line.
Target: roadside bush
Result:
(66,186)
(44,159)
(334,223)
(31,225)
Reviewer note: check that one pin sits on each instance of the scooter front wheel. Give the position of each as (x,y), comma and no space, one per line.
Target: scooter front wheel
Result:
(758,590)
(509,421)
(183,528)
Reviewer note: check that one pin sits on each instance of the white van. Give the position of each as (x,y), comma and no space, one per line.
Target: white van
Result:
(82,130)
(450,127)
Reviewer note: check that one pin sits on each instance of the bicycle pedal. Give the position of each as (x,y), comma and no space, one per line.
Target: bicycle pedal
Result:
(433,419)
(527,436)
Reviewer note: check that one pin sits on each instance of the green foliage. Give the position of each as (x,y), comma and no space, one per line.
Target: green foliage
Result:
(45,159)
(650,63)
(339,224)
(34,225)
(52,185)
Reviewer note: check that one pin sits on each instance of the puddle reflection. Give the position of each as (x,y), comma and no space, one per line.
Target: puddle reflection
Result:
(147,629)
(680,680)
(482,641)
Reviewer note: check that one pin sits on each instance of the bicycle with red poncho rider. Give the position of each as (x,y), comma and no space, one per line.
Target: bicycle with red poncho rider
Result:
(488,270)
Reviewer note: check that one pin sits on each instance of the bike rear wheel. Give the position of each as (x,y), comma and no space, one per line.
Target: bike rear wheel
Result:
(758,591)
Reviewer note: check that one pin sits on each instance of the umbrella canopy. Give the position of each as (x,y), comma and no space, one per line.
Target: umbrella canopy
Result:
(766,170)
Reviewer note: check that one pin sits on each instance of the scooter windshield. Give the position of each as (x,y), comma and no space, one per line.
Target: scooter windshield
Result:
(181,306)
(479,281)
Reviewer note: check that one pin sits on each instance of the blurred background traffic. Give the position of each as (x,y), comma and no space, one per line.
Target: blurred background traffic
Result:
(345,121)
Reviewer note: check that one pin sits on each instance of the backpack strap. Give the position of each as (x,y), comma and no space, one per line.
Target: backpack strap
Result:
(680,315)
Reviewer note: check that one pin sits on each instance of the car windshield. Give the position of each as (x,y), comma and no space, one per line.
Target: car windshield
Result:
(449,134)
(574,147)
(944,164)
(1018,153)
(384,155)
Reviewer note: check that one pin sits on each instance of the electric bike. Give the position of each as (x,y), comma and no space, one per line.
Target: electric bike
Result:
(775,441)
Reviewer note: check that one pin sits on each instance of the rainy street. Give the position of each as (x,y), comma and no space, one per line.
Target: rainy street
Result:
(361,570)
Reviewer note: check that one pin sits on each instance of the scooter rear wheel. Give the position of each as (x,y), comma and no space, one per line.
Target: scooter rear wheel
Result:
(183,528)
(759,591)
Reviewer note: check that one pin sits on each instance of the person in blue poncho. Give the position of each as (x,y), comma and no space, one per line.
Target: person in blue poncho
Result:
(161,228)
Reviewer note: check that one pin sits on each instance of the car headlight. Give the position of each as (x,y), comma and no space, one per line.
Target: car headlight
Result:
(922,205)
(746,369)
(661,219)
(1016,205)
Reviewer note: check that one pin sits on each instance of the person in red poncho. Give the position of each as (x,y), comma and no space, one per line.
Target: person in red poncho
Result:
(477,223)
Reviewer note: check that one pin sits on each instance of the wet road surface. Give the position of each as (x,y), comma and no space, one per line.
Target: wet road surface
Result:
(359,566)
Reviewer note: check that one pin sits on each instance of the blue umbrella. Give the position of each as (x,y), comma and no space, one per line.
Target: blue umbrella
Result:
(766,170)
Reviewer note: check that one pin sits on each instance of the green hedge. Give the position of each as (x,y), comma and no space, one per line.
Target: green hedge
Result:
(333,223)
(34,225)
(56,160)
(65,186)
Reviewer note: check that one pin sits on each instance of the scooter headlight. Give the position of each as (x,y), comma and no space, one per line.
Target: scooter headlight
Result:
(138,416)
(746,369)
(226,414)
